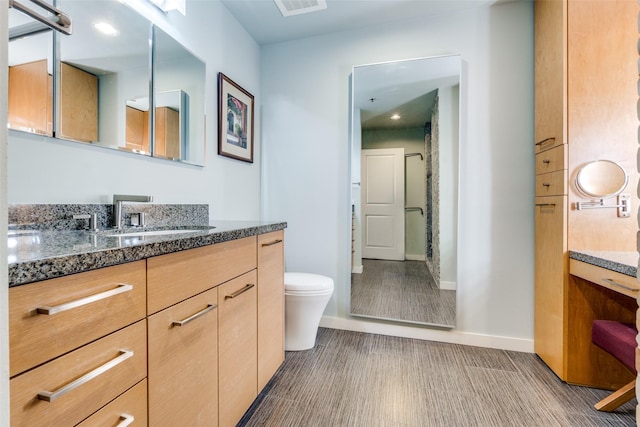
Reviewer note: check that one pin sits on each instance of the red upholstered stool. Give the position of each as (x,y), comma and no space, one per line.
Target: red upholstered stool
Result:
(619,340)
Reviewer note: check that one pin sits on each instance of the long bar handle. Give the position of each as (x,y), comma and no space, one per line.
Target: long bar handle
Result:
(202,312)
(126,420)
(122,287)
(275,242)
(61,23)
(618,284)
(545,204)
(545,140)
(50,396)
(240,291)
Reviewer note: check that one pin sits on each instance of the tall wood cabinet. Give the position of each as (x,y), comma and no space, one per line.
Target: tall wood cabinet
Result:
(585,110)
(78,104)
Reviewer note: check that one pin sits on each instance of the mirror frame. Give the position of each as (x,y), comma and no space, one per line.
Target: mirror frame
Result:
(585,192)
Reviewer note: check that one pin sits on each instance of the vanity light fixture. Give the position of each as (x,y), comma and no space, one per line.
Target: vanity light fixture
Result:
(396,116)
(297,7)
(106,28)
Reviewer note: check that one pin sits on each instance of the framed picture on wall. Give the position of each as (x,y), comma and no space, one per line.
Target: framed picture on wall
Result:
(235,120)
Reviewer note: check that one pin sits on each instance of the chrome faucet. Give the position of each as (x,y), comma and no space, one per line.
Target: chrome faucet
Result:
(118,199)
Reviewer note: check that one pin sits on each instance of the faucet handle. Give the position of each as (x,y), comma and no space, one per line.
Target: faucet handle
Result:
(93,220)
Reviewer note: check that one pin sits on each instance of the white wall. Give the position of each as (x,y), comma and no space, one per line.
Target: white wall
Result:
(41,170)
(305,104)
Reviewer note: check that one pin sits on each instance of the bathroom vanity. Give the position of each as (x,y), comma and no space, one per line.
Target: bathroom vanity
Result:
(168,329)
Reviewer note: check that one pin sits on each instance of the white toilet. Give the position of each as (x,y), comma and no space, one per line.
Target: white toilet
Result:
(305,298)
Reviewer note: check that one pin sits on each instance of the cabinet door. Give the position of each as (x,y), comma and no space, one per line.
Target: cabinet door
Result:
(270,305)
(550,73)
(30,98)
(550,274)
(237,340)
(78,104)
(183,363)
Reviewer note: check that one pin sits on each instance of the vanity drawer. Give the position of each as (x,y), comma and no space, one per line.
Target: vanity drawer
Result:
(175,277)
(551,184)
(130,406)
(621,283)
(74,319)
(552,160)
(123,358)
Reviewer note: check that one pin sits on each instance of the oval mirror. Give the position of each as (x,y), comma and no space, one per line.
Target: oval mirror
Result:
(601,179)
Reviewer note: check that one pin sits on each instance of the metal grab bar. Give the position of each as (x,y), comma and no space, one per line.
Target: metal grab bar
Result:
(414,208)
(60,20)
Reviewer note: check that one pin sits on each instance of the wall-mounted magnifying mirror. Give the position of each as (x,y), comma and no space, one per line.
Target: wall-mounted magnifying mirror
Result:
(30,103)
(405,139)
(601,179)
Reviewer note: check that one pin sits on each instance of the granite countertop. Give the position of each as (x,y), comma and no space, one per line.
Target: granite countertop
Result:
(39,255)
(621,262)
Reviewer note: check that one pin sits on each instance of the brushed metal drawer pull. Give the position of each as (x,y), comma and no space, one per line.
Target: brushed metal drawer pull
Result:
(50,396)
(122,287)
(275,242)
(126,420)
(618,284)
(202,312)
(546,161)
(545,204)
(546,140)
(240,291)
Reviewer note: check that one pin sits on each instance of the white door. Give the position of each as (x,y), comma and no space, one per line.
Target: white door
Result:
(383,204)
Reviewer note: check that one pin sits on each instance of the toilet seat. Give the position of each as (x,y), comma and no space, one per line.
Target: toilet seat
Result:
(307,284)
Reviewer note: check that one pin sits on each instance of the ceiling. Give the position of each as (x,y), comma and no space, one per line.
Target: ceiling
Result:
(265,23)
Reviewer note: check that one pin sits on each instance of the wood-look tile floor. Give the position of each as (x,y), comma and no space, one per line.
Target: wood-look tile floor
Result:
(401,290)
(358,379)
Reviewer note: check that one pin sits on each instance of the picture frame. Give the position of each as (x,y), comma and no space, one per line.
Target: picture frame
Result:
(235,120)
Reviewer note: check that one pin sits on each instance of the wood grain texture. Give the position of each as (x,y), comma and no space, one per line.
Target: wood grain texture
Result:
(175,277)
(550,44)
(167,133)
(73,407)
(602,114)
(36,338)
(30,98)
(137,133)
(615,281)
(551,184)
(133,403)
(270,305)
(238,349)
(362,380)
(183,364)
(551,265)
(78,104)
(552,160)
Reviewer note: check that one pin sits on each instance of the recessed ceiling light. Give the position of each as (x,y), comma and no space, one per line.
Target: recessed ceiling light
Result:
(296,7)
(395,117)
(106,28)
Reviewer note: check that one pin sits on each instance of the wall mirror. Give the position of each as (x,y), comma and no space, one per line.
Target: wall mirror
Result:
(101,73)
(601,179)
(404,188)
(179,74)
(30,103)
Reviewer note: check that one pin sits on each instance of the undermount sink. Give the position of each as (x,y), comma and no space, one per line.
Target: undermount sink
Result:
(155,232)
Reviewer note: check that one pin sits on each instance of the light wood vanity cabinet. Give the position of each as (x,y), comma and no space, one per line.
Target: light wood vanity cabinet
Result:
(211,320)
(183,359)
(270,305)
(584,84)
(238,347)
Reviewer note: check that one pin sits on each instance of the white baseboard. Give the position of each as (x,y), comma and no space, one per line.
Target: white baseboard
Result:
(429,334)
(414,257)
(449,286)
(357,269)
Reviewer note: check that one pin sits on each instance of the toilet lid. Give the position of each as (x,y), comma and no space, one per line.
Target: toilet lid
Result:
(307,282)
